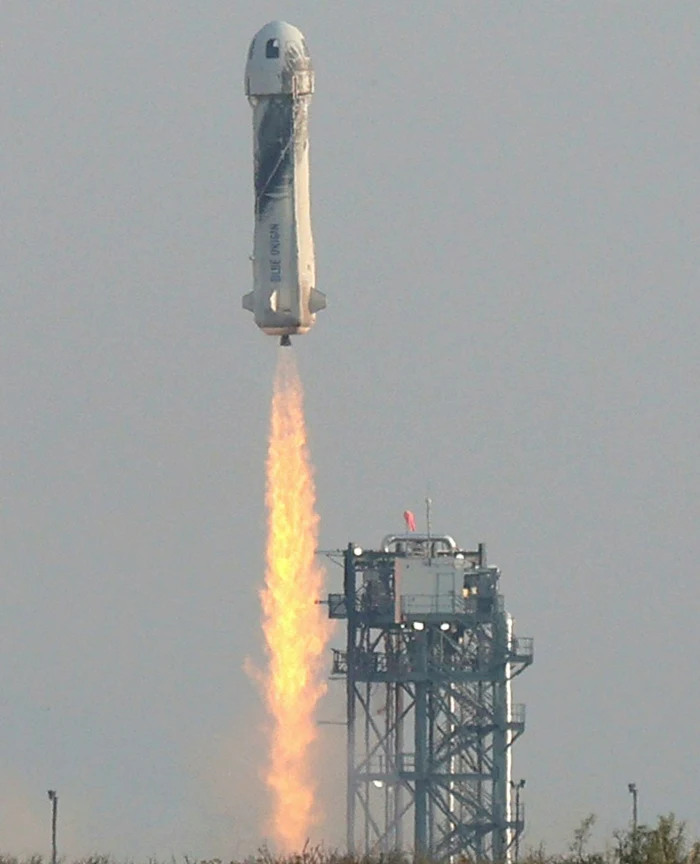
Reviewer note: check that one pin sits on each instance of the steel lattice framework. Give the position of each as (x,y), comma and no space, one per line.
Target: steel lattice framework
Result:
(430,723)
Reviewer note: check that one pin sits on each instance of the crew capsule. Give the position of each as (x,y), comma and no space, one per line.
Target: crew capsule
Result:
(278,62)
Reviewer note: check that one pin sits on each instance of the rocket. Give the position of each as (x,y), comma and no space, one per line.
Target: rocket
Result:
(279,83)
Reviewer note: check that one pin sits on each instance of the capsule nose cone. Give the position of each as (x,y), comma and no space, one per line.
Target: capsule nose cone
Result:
(277,41)
(279,30)
(277,53)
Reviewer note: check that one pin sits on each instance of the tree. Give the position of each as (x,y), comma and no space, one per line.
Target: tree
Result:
(667,843)
(579,845)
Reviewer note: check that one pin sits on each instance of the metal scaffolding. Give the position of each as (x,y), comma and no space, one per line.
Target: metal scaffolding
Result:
(428,665)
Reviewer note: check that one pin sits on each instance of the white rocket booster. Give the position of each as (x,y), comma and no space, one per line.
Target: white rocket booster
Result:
(279,82)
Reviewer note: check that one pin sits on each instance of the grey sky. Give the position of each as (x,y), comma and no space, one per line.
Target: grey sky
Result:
(505,205)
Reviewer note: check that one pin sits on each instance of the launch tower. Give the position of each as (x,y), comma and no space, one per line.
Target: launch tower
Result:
(428,665)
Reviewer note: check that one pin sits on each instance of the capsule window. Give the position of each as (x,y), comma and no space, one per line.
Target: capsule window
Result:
(272,49)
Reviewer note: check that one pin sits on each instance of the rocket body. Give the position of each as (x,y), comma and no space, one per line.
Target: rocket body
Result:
(279,83)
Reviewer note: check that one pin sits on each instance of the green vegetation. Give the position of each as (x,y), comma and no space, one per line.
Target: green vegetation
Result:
(665,843)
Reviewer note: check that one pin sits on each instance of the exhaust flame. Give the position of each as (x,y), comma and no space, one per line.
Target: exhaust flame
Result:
(296,631)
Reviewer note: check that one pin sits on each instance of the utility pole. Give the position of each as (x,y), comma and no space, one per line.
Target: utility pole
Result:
(632,788)
(517,786)
(53,798)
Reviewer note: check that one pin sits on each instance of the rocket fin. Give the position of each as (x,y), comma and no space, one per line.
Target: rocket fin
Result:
(248,301)
(317,301)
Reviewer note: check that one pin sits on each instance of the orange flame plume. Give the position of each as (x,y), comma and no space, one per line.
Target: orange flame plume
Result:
(296,630)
